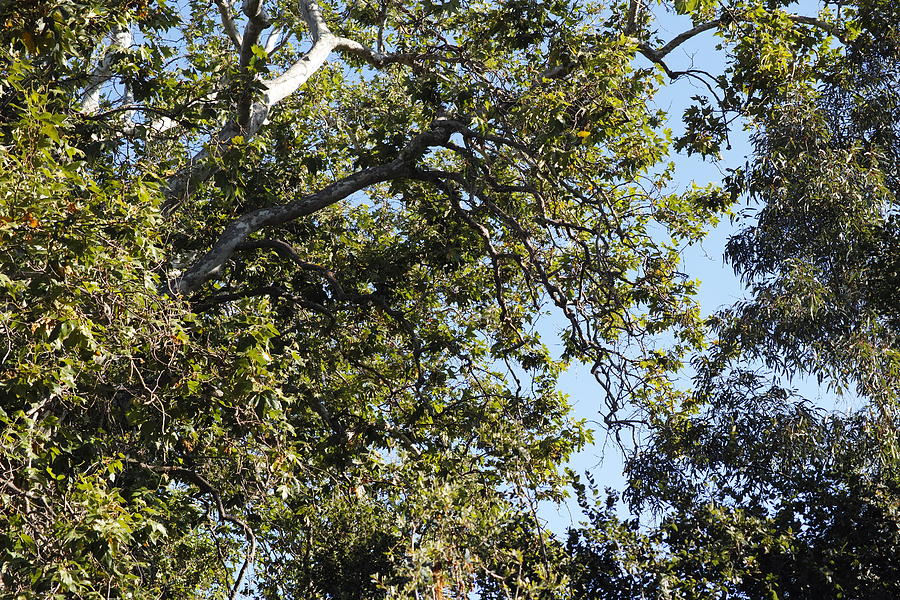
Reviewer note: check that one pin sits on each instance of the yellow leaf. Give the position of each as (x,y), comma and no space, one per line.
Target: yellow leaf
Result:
(583,134)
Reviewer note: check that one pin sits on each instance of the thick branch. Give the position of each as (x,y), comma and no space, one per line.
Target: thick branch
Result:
(257,21)
(312,14)
(253,116)
(228,23)
(240,229)
(199,170)
(378,59)
(90,98)
(287,83)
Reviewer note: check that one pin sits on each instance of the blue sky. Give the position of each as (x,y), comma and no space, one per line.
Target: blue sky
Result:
(719,286)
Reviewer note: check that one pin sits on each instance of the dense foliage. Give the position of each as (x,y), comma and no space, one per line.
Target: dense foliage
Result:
(273,280)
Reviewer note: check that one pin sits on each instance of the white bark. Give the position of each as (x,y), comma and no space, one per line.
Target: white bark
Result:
(254,116)
(90,99)
(277,89)
(287,83)
(228,25)
(272,42)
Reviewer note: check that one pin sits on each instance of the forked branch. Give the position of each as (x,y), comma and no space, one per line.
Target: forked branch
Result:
(656,55)
(254,114)
(228,23)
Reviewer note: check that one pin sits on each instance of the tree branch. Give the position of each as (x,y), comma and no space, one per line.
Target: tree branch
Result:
(285,250)
(660,53)
(257,21)
(829,28)
(207,488)
(312,14)
(238,231)
(252,116)
(228,23)
(634,11)
(272,41)
(657,54)
(287,83)
(90,98)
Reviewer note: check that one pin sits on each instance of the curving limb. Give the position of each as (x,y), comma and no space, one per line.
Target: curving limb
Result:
(240,229)
(657,55)
(252,115)
(205,487)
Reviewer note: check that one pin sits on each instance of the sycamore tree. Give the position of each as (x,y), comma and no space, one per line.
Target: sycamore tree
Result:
(273,277)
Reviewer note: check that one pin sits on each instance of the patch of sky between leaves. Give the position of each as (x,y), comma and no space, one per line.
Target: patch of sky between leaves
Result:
(704,260)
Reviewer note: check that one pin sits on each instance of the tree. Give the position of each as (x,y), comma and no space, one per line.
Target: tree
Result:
(271,278)
(762,493)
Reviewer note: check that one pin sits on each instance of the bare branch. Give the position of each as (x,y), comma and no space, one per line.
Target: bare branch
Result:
(272,43)
(830,28)
(287,83)
(228,23)
(312,14)
(252,116)
(207,488)
(90,98)
(375,58)
(656,54)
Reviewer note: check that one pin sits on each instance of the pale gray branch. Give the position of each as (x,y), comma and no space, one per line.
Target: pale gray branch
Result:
(272,41)
(90,98)
(378,59)
(312,14)
(228,24)
(240,229)
(252,117)
(287,83)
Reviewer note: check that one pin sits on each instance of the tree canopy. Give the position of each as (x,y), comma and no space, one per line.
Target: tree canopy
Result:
(276,279)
